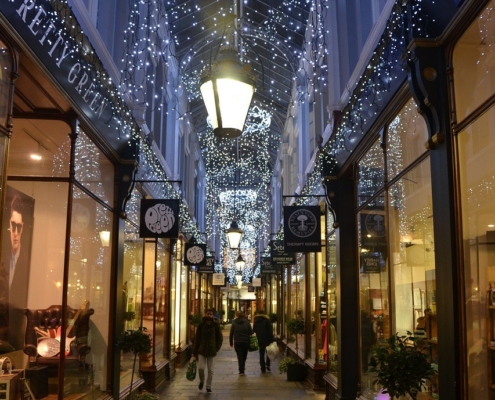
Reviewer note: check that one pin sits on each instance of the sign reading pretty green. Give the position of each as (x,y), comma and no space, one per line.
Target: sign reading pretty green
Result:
(159,218)
(302,230)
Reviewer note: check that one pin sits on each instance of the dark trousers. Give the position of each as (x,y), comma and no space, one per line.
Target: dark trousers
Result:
(264,360)
(241,350)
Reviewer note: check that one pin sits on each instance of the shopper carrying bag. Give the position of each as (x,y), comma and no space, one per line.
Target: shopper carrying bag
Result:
(253,342)
(263,328)
(191,369)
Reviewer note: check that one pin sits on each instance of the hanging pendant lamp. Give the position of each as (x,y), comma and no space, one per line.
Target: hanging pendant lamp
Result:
(234,235)
(227,88)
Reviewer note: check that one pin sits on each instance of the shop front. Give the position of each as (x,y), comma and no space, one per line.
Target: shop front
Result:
(417,240)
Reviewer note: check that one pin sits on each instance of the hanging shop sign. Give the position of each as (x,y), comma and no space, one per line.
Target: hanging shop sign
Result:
(87,84)
(279,256)
(256,282)
(195,254)
(302,231)
(208,267)
(373,240)
(159,218)
(218,279)
(372,263)
(267,267)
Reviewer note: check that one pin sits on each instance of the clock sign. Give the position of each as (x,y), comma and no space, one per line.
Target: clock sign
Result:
(195,254)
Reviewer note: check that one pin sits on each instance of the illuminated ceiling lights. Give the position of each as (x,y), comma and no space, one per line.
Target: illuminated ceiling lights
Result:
(234,235)
(227,88)
(240,263)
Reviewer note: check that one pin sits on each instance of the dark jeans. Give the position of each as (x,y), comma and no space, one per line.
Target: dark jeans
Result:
(264,360)
(241,350)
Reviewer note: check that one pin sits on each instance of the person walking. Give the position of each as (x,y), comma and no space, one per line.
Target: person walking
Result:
(240,331)
(207,344)
(264,332)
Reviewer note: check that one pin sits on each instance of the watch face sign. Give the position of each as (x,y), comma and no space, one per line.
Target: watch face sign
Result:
(195,254)
(302,229)
(159,218)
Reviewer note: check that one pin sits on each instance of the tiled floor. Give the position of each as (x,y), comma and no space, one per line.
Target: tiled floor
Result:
(227,384)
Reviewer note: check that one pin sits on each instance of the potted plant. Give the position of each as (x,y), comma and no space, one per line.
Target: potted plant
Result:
(295,369)
(295,326)
(402,365)
(135,341)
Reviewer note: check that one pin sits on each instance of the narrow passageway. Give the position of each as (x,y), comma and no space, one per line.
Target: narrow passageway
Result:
(227,384)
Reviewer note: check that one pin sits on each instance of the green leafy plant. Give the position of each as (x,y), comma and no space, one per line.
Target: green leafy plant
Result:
(134,341)
(295,326)
(194,319)
(284,363)
(402,365)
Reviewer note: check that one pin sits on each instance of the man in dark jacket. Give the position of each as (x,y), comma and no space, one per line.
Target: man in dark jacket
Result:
(207,344)
(264,331)
(240,331)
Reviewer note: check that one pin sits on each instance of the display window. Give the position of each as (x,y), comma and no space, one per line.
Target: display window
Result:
(5,79)
(396,242)
(132,294)
(51,267)
(329,318)
(474,87)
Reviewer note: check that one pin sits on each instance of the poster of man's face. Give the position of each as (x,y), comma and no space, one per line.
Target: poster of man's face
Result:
(17,232)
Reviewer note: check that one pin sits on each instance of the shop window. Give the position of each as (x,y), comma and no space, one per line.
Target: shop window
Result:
(371,173)
(176,259)
(477,182)
(474,69)
(93,170)
(406,135)
(34,231)
(329,319)
(474,66)
(89,288)
(162,319)
(132,293)
(397,251)
(39,148)
(5,79)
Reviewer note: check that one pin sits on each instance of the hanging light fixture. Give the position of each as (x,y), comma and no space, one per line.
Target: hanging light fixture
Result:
(234,233)
(227,88)
(240,263)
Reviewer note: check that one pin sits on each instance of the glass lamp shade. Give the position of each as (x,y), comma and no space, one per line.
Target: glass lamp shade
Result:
(227,91)
(234,235)
(239,263)
(238,279)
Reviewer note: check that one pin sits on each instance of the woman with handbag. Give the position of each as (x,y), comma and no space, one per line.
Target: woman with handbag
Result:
(264,331)
(239,337)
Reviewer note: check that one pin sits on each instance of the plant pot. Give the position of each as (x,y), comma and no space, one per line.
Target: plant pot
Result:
(296,372)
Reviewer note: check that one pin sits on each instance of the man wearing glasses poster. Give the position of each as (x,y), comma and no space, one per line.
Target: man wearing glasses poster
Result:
(14,277)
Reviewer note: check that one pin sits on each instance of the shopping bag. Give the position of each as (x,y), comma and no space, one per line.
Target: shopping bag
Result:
(191,370)
(253,343)
(272,351)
